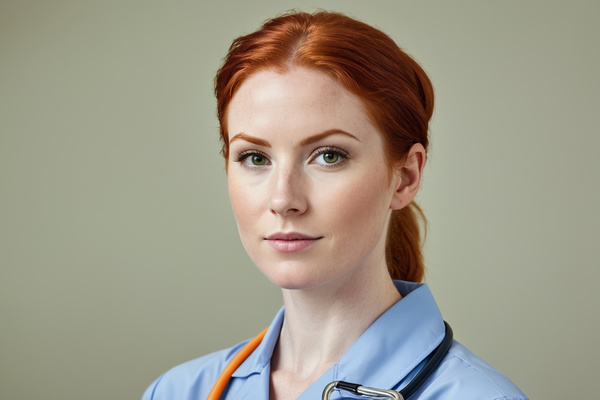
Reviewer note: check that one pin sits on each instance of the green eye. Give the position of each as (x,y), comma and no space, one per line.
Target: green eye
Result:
(257,159)
(253,159)
(331,158)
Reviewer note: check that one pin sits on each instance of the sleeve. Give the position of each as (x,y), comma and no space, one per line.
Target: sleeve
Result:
(191,380)
(463,375)
(149,393)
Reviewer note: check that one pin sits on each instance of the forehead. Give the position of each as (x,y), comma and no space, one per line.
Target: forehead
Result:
(296,97)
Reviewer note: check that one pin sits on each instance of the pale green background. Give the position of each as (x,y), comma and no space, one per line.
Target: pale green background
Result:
(119,255)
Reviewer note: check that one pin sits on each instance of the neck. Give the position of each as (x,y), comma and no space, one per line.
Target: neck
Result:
(322,323)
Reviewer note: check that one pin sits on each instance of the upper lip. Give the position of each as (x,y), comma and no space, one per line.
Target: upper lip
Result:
(291,236)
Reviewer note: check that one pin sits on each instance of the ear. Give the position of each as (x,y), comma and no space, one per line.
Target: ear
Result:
(408,177)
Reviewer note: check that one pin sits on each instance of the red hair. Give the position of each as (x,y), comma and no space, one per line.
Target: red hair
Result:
(396,93)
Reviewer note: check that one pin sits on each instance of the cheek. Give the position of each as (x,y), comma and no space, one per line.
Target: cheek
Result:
(248,201)
(361,208)
(241,199)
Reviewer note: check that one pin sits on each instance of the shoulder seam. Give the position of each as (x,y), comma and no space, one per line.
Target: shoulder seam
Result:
(155,386)
(504,396)
(512,398)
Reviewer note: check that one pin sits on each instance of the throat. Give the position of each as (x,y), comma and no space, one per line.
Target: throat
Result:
(288,384)
(319,328)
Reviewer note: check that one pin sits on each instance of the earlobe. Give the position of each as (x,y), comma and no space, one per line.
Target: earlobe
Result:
(408,177)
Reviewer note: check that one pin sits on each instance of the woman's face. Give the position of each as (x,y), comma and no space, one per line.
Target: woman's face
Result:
(307,178)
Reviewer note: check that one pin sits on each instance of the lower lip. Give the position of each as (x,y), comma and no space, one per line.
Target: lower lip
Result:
(291,246)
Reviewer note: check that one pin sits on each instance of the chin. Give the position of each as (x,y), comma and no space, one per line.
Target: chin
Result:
(294,277)
(294,282)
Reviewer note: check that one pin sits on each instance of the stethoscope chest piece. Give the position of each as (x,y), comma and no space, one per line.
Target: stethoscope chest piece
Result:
(362,391)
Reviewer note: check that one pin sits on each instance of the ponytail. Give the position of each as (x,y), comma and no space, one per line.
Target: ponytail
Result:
(403,252)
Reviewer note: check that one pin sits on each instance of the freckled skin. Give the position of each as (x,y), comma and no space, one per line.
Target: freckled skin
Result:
(341,199)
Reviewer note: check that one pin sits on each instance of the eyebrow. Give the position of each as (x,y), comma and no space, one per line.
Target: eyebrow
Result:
(251,139)
(303,142)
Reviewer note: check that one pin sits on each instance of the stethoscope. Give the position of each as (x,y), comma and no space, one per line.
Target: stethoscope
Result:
(434,359)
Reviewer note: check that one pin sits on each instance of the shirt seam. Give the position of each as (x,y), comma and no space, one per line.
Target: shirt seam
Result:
(156,386)
(504,395)
(512,398)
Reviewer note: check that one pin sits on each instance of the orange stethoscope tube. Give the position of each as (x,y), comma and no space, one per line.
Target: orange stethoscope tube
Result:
(235,362)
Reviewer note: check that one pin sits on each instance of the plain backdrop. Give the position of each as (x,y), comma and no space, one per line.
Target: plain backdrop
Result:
(119,253)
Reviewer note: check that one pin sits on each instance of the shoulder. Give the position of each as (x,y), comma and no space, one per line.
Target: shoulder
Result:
(464,375)
(193,379)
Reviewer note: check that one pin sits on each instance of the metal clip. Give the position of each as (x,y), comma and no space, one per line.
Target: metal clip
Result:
(359,390)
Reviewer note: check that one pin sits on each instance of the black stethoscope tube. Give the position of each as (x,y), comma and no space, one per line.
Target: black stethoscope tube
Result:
(435,358)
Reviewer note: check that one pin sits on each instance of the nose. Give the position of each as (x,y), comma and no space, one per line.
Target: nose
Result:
(289,195)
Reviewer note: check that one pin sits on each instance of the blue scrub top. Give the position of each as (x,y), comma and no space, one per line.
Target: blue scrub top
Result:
(387,356)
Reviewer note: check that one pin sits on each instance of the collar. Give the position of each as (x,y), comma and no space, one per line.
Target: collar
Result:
(384,354)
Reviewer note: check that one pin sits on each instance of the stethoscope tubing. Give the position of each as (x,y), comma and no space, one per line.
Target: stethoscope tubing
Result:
(235,362)
(434,361)
(435,358)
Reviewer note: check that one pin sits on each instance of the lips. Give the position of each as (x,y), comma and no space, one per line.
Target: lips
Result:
(289,242)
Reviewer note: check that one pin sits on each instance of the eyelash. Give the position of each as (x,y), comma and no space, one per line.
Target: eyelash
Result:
(241,157)
(248,153)
(334,150)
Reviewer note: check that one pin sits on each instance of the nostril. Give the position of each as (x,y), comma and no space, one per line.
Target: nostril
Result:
(284,211)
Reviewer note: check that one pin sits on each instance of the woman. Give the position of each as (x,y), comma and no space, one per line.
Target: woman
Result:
(324,123)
